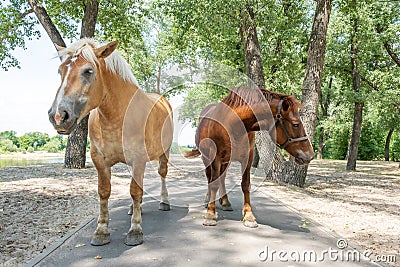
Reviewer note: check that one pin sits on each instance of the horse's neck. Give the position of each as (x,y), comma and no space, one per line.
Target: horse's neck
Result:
(117,96)
(262,116)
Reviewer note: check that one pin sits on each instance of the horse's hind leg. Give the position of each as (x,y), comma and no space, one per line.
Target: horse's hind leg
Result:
(224,201)
(163,170)
(135,234)
(101,235)
(208,175)
(248,218)
(213,186)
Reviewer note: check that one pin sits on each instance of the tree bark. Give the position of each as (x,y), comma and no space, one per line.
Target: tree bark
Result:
(320,144)
(387,144)
(288,171)
(358,105)
(252,51)
(324,108)
(255,74)
(89,19)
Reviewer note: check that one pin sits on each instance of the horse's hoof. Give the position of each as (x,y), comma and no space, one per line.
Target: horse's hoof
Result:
(250,224)
(100,239)
(164,206)
(134,238)
(210,222)
(227,208)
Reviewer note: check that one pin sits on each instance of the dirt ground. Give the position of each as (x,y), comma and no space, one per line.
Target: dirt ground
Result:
(40,204)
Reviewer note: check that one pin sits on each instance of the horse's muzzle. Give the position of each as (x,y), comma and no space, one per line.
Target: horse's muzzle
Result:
(303,159)
(63,120)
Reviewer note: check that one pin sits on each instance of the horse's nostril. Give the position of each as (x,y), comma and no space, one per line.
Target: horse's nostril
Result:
(65,116)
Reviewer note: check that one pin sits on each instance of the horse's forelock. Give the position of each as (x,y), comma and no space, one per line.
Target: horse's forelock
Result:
(115,63)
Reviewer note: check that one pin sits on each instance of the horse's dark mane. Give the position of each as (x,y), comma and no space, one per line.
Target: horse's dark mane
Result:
(243,96)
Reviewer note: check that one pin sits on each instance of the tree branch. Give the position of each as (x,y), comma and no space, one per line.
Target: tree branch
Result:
(371,84)
(388,47)
(47,23)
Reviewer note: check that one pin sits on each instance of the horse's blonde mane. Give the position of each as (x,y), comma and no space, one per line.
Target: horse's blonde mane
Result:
(114,62)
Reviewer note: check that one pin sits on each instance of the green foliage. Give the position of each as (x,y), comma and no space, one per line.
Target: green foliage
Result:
(197,98)
(10,135)
(177,149)
(16,27)
(7,145)
(155,35)
(395,147)
(55,144)
(33,140)
(30,142)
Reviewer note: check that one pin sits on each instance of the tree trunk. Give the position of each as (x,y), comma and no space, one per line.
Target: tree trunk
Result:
(324,108)
(358,105)
(75,153)
(252,51)
(255,74)
(158,81)
(387,144)
(320,143)
(288,171)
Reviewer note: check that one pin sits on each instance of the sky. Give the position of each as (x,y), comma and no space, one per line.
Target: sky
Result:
(26,94)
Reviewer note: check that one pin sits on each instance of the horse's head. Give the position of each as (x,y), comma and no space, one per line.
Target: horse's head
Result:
(290,133)
(81,87)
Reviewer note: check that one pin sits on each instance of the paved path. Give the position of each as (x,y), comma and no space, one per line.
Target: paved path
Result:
(178,238)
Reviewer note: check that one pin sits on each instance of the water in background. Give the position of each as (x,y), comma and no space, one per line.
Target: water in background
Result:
(14,162)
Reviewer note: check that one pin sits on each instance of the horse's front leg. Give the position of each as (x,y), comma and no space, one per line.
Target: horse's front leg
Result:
(249,220)
(101,235)
(135,234)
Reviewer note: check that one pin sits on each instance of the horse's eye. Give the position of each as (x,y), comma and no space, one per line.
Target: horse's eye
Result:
(295,125)
(88,71)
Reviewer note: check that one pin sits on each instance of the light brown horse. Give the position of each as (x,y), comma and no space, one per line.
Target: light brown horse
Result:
(125,125)
(226,132)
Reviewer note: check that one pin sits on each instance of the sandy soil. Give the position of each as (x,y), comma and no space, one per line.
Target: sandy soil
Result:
(39,204)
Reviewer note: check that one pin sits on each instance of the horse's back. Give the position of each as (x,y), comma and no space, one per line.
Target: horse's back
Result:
(161,101)
(158,126)
(221,132)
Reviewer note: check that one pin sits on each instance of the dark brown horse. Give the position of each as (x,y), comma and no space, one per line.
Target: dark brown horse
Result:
(226,132)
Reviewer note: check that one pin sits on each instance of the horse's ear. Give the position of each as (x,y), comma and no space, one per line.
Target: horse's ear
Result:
(106,50)
(285,105)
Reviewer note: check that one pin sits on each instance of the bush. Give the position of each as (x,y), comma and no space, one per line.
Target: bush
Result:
(30,149)
(177,149)
(53,146)
(7,145)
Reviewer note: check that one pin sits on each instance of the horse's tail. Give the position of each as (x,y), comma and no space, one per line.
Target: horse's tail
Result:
(192,154)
